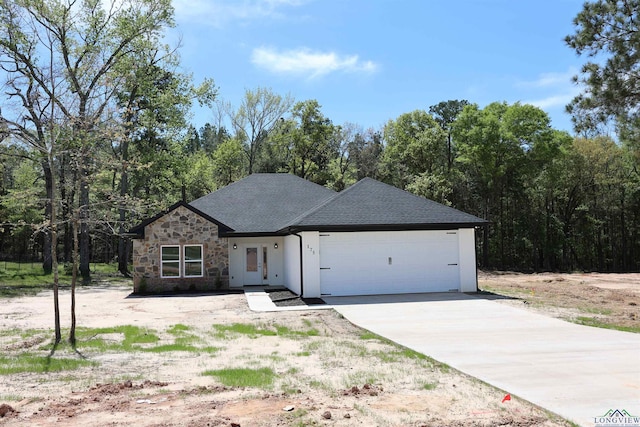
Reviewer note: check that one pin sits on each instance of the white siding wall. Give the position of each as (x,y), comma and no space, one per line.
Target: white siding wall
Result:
(275,259)
(292,263)
(468,268)
(311,263)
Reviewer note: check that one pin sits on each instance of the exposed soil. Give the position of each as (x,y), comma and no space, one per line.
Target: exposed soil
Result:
(327,372)
(589,297)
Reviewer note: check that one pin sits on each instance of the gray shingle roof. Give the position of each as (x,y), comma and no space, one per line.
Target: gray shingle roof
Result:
(279,203)
(263,203)
(371,204)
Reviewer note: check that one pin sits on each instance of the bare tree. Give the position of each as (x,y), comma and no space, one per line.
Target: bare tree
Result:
(258,113)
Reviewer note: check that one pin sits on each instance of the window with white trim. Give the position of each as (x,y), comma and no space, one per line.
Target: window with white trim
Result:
(192,261)
(181,261)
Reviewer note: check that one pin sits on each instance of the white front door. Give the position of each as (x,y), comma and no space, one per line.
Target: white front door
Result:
(255,265)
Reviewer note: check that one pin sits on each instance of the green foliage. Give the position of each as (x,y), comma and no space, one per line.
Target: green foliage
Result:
(415,144)
(311,141)
(200,177)
(244,377)
(607,30)
(432,186)
(229,163)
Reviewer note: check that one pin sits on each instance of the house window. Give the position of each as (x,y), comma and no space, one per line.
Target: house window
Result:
(193,261)
(170,257)
(181,263)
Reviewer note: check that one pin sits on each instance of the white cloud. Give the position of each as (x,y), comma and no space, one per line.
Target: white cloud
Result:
(551,79)
(219,12)
(552,101)
(309,63)
(550,90)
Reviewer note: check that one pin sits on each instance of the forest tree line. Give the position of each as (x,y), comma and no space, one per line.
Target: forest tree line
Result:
(96,138)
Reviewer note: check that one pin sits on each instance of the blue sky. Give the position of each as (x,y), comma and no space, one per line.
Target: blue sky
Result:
(368,61)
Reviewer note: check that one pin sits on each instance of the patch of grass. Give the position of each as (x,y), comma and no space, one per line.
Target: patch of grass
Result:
(295,418)
(366,335)
(597,310)
(312,346)
(23,334)
(178,329)
(353,348)
(287,332)
(289,389)
(10,398)
(250,330)
(321,385)
(429,386)
(359,378)
(244,377)
(255,331)
(188,340)
(275,357)
(167,348)
(303,353)
(27,362)
(401,352)
(131,336)
(597,323)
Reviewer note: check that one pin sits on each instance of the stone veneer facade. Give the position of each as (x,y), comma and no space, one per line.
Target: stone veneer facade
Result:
(180,226)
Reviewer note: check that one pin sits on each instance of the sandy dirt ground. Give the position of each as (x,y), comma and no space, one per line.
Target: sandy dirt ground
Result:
(587,298)
(328,372)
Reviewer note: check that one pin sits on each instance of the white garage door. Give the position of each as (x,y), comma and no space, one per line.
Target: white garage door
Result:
(387,262)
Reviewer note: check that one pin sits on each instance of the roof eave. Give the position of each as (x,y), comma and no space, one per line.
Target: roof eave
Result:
(384,227)
(254,234)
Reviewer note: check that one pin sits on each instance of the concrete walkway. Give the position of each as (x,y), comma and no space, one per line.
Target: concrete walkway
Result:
(576,371)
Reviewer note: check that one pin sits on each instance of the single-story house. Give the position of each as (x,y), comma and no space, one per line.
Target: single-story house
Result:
(279,229)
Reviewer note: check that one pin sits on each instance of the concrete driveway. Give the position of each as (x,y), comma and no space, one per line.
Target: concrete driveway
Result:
(578,372)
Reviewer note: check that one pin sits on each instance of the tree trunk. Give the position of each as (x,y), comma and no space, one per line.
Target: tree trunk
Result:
(84,226)
(485,246)
(47,260)
(74,279)
(67,198)
(53,226)
(123,241)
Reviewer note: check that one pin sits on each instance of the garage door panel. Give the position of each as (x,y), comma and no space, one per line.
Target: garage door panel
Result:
(388,262)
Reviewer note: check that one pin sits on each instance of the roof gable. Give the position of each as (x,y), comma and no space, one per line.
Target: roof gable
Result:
(139,229)
(263,203)
(371,204)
